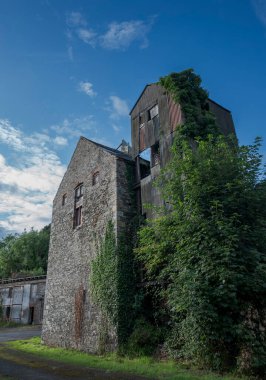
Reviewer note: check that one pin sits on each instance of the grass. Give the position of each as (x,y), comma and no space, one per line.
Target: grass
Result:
(9,324)
(145,366)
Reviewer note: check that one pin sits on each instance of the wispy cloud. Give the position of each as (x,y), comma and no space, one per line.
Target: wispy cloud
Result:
(86,87)
(260,9)
(29,183)
(76,127)
(59,140)
(75,19)
(117,107)
(118,36)
(88,36)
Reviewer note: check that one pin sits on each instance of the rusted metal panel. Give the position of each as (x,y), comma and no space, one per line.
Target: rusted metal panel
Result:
(165,149)
(223,117)
(175,114)
(135,136)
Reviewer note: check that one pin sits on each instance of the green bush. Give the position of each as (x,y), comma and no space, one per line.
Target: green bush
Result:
(144,339)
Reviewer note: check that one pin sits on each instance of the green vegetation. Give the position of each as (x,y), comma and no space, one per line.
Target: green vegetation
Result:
(7,324)
(26,253)
(203,259)
(145,366)
(207,256)
(185,88)
(113,278)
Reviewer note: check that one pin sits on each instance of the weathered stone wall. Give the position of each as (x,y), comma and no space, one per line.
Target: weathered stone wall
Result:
(70,317)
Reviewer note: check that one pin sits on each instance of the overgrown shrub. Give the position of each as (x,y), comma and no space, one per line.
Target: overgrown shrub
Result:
(144,339)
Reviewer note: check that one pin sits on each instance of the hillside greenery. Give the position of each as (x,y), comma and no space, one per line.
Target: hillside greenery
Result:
(25,253)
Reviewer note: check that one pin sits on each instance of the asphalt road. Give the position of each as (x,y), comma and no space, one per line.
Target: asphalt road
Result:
(17,365)
(16,333)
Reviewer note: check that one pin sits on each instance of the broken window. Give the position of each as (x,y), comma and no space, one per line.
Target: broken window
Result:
(95,178)
(155,155)
(141,120)
(144,161)
(152,112)
(64,198)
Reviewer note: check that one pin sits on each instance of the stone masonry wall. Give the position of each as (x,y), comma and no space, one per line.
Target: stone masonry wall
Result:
(70,317)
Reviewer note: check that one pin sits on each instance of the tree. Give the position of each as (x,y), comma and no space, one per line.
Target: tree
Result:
(25,253)
(209,252)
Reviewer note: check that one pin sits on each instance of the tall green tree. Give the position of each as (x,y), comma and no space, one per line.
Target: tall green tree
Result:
(25,253)
(209,253)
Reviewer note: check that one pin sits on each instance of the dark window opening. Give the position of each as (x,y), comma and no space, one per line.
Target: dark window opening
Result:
(79,192)
(64,199)
(95,178)
(31,316)
(77,219)
(144,162)
(155,155)
(8,311)
(78,216)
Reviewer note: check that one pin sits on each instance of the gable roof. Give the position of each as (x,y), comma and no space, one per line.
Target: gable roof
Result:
(150,84)
(112,151)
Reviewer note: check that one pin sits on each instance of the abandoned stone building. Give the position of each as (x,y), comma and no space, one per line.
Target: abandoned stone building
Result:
(94,190)
(22,299)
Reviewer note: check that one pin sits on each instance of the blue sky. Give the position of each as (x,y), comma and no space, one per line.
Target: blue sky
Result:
(76,67)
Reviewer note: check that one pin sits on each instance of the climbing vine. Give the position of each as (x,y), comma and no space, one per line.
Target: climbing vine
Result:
(103,277)
(185,88)
(113,282)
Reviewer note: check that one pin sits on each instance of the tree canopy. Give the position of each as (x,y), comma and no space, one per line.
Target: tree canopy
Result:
(26,253)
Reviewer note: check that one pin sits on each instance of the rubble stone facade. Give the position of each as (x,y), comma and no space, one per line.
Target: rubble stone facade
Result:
(70,317)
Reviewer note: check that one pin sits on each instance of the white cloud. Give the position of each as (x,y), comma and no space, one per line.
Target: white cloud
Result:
(260,9)
(59,140)
(76,127)
(86,87)
(88,36)
(118,36)
(27,189)
(117,107)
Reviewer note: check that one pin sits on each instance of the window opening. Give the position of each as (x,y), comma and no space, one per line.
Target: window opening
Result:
(77,220)
(79,191)
(155,155)
(153,112)
(141,120)
(8,310)
(144,161)
(10,292)
(78,216)
(64,199)
(95,178)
